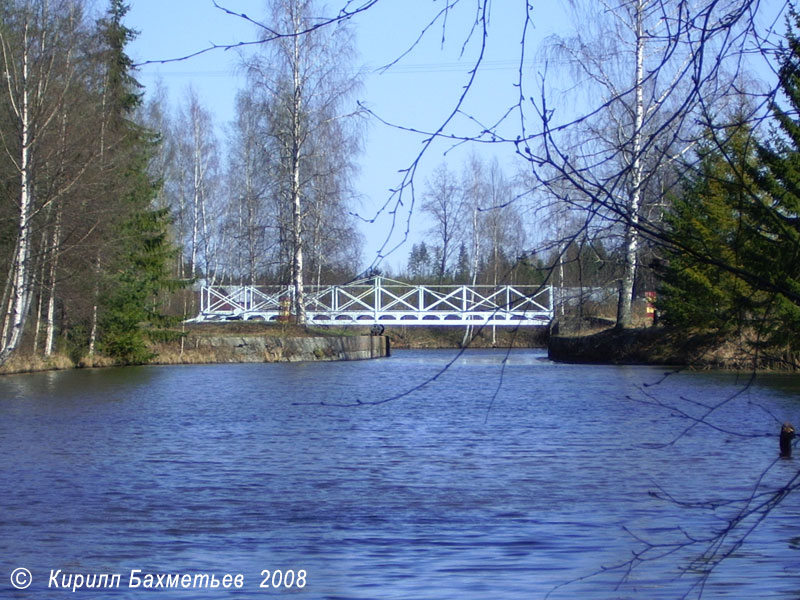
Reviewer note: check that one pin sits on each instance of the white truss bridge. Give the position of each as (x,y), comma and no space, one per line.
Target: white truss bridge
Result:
(382,301)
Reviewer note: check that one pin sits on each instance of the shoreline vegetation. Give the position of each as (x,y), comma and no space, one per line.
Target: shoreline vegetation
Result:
(595,341)
(659,347)
(238,341)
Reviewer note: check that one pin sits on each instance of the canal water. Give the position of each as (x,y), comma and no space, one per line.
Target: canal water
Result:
(427,475)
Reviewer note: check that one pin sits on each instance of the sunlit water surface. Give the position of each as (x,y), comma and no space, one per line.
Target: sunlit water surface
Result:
(495,480)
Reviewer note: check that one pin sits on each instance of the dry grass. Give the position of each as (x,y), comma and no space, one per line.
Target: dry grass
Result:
(25,363)
(96,361)
(658,346)
(189,351)
(30,364)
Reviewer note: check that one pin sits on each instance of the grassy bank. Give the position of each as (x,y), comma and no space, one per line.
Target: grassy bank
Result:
(412,337)
(189,347)
(180,351)
(400,337)
(20,363)
(594,343)
(658,346)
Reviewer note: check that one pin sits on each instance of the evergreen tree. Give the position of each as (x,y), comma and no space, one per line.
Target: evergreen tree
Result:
(138,269)
(419,262)
(737,230)
(708,220)
(462,273)
(773,254)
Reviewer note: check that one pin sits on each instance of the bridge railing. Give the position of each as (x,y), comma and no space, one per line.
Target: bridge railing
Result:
(384,301)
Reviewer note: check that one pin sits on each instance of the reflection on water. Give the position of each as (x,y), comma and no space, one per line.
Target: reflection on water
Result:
(490,481)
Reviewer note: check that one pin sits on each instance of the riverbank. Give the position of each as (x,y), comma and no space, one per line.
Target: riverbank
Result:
(247,341)
(422,338)
(244,348)
(230,343)
(21,363)
(257,342)
(657,346)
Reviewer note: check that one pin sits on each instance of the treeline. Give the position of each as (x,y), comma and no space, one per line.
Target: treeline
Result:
(485,223)
(489,228)
(477,231)
(717,226)
(84,250)
(271,204)
(113,205)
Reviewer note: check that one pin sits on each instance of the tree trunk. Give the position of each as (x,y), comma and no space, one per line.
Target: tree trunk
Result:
(50,320)
(20,291)
(96,297)
(297,215)
(476,248)
(625,306)
(42,268)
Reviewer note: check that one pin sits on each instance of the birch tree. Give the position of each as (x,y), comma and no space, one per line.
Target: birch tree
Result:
(443,203)
(623,55)
(491,224)
(303,85)
(502,226)
(254,237)
(37,45)
(198,168)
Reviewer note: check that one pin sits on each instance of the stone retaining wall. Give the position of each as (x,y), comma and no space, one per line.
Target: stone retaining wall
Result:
(265,348)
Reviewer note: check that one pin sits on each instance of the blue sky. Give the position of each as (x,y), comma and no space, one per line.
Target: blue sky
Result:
(419,92)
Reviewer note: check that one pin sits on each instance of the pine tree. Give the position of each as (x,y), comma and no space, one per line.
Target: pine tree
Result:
(419,262)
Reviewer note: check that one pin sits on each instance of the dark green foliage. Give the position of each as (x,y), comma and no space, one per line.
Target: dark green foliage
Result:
(131,315)
(775,214)
(420,262)
(736,259)
(708,221)
(122,89)
(463,271)
(141,253)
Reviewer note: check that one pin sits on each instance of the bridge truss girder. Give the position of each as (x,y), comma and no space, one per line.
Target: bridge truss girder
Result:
(386,302)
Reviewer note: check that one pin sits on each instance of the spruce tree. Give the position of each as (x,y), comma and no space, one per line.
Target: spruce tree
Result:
(735,262)
(774,223)
(138,270)
(707,220)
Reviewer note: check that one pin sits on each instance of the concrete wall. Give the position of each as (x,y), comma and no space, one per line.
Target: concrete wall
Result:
(263,348)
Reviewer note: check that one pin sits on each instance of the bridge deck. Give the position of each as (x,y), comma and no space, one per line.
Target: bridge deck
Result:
(384,301)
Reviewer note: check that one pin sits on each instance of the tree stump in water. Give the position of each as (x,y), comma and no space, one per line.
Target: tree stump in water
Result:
(787,435)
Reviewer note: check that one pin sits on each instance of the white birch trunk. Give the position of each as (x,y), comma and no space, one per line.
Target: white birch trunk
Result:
(195,220)
(625,307)
(476,247)
(297,215)
(50,319)
(21,263)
